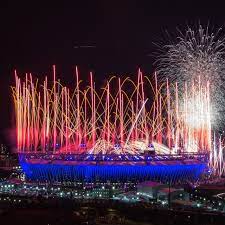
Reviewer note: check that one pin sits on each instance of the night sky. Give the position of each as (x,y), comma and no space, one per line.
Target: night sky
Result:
(120,39)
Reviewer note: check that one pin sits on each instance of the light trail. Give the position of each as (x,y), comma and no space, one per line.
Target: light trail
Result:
(117,119)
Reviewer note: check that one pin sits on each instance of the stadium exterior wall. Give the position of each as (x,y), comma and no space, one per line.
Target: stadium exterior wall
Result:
(57,172)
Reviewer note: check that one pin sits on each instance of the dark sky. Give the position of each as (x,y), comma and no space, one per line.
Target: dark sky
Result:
(33,37)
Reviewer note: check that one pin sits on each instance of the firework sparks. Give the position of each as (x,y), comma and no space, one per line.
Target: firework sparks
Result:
(197,53)
(55,119)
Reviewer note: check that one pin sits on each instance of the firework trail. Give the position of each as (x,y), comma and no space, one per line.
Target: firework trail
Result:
(197,53)
(52,118)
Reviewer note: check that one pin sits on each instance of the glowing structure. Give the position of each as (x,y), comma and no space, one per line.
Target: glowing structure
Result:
(119,124)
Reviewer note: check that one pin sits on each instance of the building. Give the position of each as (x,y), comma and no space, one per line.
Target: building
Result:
(149,188)
(161,192)
(173,194)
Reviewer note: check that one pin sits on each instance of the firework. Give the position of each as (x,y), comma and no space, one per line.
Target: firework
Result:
(197,53)
(52,118)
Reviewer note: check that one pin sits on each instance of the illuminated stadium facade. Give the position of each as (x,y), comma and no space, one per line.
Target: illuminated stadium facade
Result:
(104,168)
(117,135)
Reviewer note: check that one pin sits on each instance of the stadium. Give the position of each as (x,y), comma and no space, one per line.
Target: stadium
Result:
(128,131)
(134,169)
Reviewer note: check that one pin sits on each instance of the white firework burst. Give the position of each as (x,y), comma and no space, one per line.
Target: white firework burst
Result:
(197,53)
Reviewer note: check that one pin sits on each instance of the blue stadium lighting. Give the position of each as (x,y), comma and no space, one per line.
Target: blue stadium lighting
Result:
(117,145)
(151,146)
(122,168)
(122,173)
(90,157)
(69,158)
(83,145)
